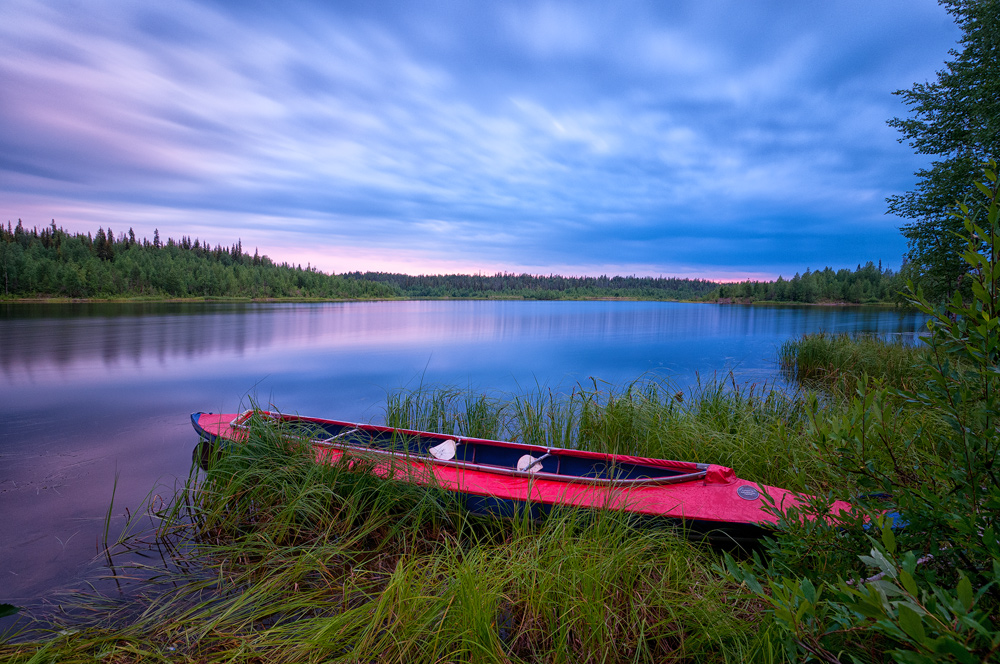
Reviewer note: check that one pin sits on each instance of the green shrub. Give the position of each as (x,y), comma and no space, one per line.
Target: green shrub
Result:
(929,591)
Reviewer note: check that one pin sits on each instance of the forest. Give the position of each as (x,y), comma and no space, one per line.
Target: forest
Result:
(55,263)
(52,262)
(531,287)
(868,284)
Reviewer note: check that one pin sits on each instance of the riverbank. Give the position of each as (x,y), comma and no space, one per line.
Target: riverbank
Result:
(514,298)
(272,557)
(162,300)
(824,303)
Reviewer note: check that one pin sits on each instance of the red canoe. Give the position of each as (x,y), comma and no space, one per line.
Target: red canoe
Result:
(706,500)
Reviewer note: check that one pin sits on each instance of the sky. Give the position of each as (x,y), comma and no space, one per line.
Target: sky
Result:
(719,139)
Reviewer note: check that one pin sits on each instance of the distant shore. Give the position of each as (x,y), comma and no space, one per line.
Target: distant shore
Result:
(825,303)
(516,298)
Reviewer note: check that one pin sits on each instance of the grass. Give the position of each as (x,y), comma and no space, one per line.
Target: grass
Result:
(744,427)
(275,558)
(836,361)
(305,562)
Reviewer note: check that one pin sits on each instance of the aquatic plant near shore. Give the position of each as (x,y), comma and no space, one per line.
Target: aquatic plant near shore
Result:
(742,426)
(836,361)
(311,562)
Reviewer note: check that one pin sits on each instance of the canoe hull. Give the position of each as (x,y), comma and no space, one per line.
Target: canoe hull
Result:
(704,500)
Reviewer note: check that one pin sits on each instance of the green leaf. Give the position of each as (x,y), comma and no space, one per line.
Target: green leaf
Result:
(8,610)
(880,561)
(948,646)
(868,609)
(910,622)
(888,537)
(808,590)
(965,592)
(908,583)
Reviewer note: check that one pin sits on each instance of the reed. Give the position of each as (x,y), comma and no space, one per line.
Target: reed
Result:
(306,562)
(744,427)
(836,361)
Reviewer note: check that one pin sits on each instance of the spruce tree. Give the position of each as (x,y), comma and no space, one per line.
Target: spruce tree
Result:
(956,119)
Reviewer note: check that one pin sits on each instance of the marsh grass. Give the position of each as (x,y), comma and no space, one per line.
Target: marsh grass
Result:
(862,381)
(307,562)
(836,361)
(745,427)
(271,557)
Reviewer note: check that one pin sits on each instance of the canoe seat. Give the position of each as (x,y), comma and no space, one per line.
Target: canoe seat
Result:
(445,450)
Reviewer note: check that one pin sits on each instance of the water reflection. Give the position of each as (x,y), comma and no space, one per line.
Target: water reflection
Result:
(141,335)
(88,391)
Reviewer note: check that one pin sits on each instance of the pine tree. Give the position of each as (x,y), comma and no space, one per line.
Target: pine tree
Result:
(957,119)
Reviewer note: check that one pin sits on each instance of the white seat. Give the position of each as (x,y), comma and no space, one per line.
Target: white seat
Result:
(445,450)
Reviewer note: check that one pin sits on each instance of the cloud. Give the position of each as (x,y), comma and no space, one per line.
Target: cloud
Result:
(639,138)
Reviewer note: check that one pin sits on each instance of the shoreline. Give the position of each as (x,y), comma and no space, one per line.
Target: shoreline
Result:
(206,299)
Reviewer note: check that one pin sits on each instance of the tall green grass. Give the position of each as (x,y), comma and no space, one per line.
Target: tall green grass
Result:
(305,562)
(275,558)
(758,432)
(836,361)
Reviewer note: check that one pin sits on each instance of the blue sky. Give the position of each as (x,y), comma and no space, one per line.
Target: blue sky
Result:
(719,139)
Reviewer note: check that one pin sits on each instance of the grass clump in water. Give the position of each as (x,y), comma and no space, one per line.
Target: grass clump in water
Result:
(837,360)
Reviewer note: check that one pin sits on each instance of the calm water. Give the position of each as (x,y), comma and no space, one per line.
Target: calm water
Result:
(91,391)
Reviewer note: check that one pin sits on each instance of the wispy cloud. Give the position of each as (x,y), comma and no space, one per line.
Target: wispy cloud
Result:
(658,138)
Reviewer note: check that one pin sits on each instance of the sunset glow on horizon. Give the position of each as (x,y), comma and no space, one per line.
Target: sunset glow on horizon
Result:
(724,141)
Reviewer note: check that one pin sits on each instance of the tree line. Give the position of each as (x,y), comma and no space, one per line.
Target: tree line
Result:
(535,287)
(869,283)
(54,262)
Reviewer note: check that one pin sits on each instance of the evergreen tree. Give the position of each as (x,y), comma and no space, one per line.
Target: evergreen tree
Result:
(104,245)
(957,119)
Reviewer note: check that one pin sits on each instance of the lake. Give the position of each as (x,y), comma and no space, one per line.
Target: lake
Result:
(91,392)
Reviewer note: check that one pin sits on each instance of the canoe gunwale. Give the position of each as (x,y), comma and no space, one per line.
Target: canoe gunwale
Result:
(240,422)
(513,472)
